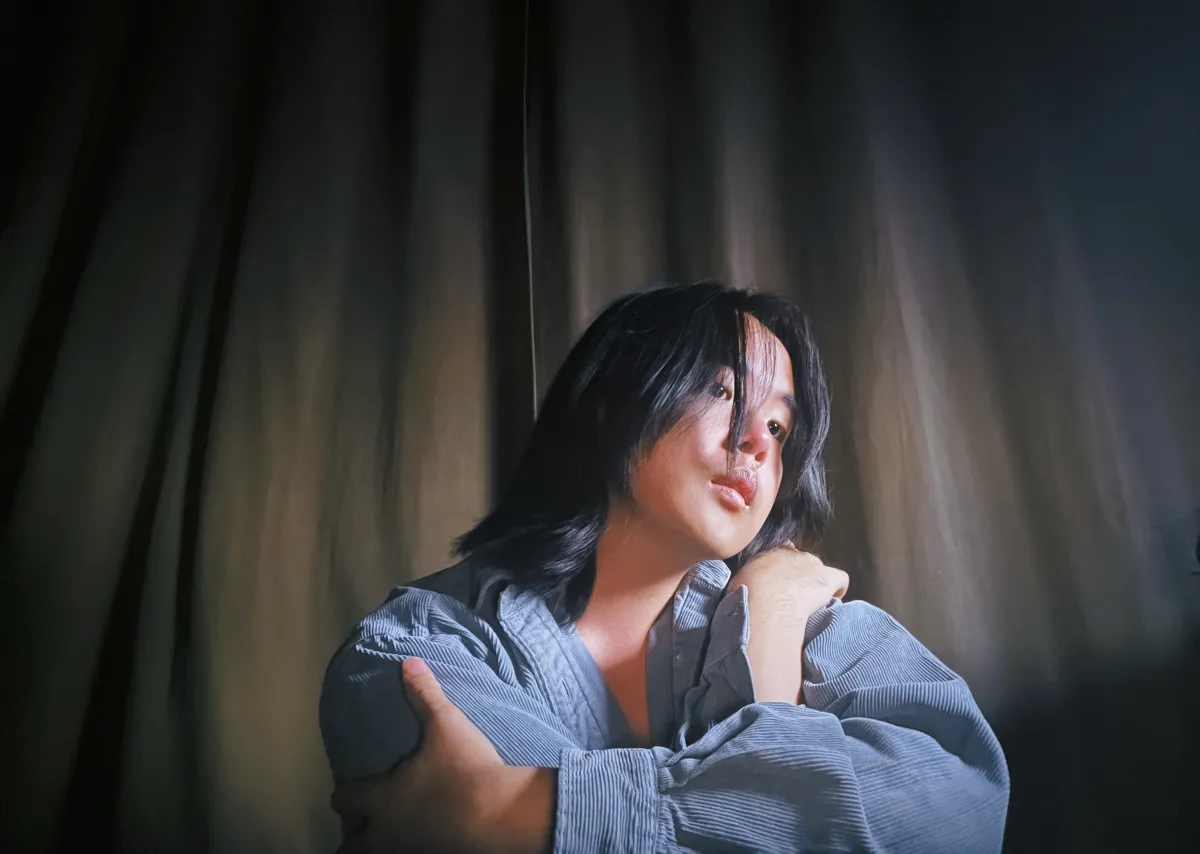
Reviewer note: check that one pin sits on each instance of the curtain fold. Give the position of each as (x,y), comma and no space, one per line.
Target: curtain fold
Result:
(281,286)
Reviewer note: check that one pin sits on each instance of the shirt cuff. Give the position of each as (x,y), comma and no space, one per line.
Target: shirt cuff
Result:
(608,800)
(728,665)
(726,682)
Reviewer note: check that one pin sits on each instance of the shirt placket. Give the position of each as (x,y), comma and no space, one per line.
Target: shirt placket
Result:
(533,629)
(691,623)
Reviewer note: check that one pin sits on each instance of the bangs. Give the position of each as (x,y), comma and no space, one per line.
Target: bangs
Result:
(676,383)
(681,351)
(649,361)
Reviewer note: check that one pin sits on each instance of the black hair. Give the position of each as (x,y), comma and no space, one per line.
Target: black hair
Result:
(641,366)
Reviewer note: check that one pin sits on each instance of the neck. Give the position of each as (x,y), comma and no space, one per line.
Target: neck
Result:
(637,573)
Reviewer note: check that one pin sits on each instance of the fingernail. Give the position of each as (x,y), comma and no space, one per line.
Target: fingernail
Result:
(414,667)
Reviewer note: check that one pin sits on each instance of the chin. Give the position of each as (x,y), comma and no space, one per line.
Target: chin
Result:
(726,547)
(713,536)
(718,541)
(733,551)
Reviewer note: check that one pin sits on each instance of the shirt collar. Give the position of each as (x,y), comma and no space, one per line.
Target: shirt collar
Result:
(517,606)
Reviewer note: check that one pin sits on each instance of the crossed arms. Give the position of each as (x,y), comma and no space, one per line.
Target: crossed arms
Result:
(890,751)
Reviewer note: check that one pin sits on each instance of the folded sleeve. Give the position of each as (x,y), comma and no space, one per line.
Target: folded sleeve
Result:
(726,682)
(890,754)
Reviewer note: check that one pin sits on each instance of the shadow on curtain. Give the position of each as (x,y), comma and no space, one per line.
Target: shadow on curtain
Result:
(281,284)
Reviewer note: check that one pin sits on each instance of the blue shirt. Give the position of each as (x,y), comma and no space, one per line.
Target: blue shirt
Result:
(889,752)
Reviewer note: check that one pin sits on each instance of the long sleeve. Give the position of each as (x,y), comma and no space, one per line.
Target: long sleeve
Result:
(366,721)
(892,754)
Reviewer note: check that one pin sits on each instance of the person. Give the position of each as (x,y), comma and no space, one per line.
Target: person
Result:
(639,650)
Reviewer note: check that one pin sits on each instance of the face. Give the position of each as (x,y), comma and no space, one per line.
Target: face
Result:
(685,489)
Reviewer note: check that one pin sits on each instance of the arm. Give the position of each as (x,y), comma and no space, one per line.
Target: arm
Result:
(892,753)
(367,721)
(784,588)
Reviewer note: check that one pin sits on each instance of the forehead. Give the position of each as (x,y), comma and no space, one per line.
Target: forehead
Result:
(767,360)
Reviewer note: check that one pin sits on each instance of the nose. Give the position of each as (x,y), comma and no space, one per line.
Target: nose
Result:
(757,440)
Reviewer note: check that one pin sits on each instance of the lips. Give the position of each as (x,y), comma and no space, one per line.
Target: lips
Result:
(742,481)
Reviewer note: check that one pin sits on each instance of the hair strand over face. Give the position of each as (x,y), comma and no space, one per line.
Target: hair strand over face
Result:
(643,365)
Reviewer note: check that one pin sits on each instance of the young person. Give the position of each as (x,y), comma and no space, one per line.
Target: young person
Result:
(591,678)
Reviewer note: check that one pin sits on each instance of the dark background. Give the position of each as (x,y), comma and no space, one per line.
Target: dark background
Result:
(282,282)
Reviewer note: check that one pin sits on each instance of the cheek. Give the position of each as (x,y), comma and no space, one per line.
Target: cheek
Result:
(655,479)
(699,444)
(671,482)
(769,479)
(776,474)
(709,436)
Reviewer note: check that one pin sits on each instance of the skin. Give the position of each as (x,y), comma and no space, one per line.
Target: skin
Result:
(678,514)
(783,589)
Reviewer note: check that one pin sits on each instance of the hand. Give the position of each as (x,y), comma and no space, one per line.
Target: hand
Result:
(784,588)
(787,570)
(455,794)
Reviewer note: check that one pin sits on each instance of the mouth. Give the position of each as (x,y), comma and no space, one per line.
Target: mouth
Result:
(737,488)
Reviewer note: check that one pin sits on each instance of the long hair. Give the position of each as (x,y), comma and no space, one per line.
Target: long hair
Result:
(645,363)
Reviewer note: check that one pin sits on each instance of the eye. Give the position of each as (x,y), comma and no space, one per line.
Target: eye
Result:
(777,430)
(722,391)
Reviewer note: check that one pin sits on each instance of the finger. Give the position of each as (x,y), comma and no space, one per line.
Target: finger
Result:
(424,692)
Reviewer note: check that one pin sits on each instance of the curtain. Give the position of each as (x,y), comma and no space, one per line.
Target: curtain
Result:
(281,286)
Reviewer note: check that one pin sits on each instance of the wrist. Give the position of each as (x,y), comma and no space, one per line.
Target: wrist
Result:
(778,599)
(535,815)
(516,811)
(791,577)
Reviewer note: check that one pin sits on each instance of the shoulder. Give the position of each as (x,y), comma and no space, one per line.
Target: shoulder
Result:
(445,619)
(449,607)
(444,602)
(461,581)
(858,621)
(864,638)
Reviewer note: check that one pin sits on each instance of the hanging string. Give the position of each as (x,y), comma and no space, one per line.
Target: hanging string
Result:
(528,211)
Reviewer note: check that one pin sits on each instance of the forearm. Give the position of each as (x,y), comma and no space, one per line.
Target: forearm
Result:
(526,825)
(891,753)
(774,647)
(777,777)
(778,614)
